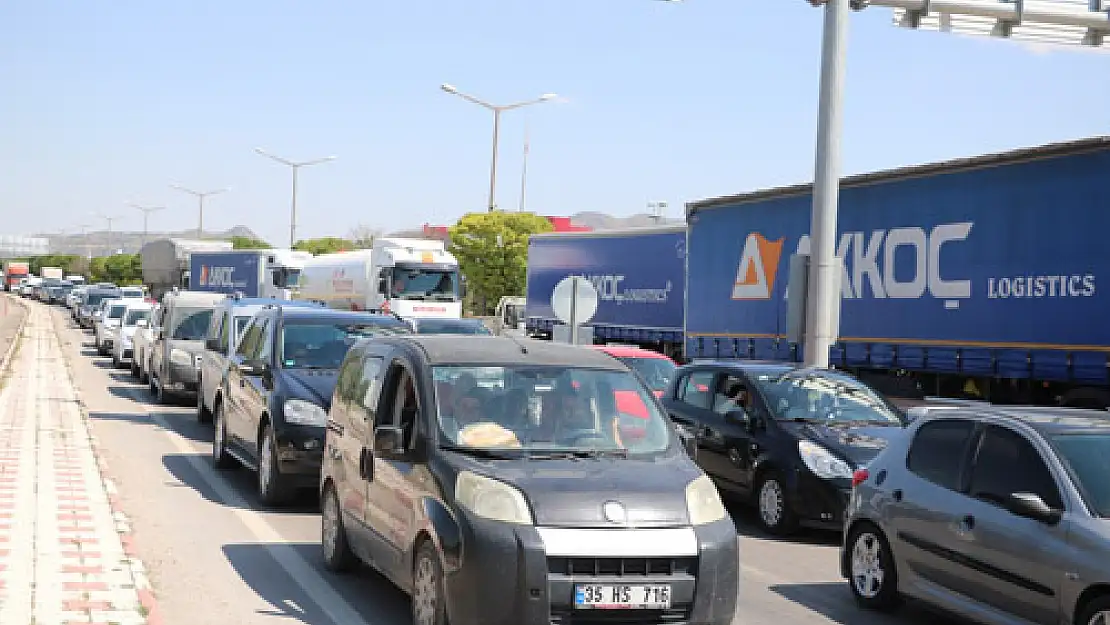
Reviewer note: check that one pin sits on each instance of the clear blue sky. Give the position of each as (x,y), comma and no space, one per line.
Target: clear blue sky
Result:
(108,102)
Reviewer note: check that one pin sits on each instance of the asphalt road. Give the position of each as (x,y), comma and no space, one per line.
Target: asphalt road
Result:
(214,556)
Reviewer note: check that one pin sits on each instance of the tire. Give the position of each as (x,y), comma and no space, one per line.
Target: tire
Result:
(204,415)
(272,487)
(428,604)
(775,518)
(872,575)
(1094,610)
(220,458)
(338,556)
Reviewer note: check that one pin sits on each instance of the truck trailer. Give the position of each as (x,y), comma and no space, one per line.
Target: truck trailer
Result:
(639,275)
(979,278)
(14,272)
(166,262)
(267,273)
(411,278)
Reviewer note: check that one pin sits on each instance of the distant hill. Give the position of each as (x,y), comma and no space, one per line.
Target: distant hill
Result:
(99,243)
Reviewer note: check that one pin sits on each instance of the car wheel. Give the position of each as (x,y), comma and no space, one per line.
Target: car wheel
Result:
(338,556)
(872,575)
(428,605)
(1095,612)
(204,415)
(220,458)
(271,483)
(775,514)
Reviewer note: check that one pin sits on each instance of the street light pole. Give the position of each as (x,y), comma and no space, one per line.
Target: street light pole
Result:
(110,219)
(295,166)
(147,210)
(497,110)
(524,171)
(200,195)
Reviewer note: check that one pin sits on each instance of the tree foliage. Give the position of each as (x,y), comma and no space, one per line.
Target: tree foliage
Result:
(69,263)
(492,249)
(325,245)
(248,243)
(122,269)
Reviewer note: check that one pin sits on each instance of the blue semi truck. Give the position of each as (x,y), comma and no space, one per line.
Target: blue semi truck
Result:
(639,274)
(269,273)
(980,278)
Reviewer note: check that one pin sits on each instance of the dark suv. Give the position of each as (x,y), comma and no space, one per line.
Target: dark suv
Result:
(272,405)
(784,437)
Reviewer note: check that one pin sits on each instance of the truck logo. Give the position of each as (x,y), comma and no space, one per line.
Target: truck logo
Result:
(759,265)
(217,276)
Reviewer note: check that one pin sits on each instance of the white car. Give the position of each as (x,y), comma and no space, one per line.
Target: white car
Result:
(74,296)
(135,317)
(111,313)
(142,341)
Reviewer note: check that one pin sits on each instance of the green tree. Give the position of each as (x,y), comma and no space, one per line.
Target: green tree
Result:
(122,269)
(325,245)
(492,249)
(247,243)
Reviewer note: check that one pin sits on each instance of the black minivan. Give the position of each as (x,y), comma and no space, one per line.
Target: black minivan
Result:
(498,481)
(784,437)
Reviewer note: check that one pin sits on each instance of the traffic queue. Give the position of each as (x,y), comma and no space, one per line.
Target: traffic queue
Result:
(504,479)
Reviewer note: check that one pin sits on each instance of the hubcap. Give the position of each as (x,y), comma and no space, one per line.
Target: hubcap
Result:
(770,503)
(426,594)
(1102,617)
(330,518)
(265,467)
(867,568)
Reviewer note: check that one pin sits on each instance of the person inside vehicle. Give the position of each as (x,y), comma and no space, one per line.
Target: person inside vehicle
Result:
(469,424)
(568,419)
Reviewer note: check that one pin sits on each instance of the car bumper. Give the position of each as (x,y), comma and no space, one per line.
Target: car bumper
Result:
(820,502)
(301,454)
(504,575)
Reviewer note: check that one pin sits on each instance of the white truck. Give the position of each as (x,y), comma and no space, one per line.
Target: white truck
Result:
(412,278)
(52,273)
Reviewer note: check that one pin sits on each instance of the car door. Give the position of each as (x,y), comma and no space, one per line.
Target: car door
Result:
(235,383)
(210,361)
(690,410)
(1014,564)
(255,388)
(158,340)
(727,443)
(924,502)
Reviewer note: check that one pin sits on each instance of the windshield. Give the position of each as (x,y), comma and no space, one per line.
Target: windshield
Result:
(825,398)
(415,282)
(324,345)
(451,326)
(1088,458)
(190,324)
(133,317)
(131,293)
(657,372)
(93,300)
(292,277)
(240,325)
(553,409)
(115,311)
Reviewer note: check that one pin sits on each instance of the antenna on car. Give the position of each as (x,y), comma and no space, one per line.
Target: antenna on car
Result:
(523,348)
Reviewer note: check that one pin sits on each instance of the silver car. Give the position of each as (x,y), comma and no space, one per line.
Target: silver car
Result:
(1000,515)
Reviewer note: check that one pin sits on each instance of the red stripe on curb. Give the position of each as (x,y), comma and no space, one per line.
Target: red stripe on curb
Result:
(153,613)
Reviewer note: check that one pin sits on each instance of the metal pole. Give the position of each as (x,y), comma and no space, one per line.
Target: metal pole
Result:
(200,216)
(524,171)
(823,295)
(574,310)
(493,163)
(293,212)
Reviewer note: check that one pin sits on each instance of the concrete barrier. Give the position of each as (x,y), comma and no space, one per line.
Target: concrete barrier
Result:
(13,318)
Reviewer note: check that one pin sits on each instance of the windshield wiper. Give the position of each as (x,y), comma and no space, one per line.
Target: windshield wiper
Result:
(478,452)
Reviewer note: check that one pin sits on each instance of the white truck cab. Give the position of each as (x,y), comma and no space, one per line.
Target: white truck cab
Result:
(411,278)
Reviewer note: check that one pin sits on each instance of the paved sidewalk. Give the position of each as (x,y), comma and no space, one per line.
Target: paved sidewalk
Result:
(64,548)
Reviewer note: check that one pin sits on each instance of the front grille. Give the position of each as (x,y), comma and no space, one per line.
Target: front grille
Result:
(570,616)
(616,567)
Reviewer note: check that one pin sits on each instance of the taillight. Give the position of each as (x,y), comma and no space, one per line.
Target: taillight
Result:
(859,476)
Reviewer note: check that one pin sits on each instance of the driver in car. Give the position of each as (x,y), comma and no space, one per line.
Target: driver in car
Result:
(568,418)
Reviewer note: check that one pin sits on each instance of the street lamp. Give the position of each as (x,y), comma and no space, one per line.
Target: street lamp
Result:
(295,166)
(200,195)
(110,219)
(147,210)
(497,110)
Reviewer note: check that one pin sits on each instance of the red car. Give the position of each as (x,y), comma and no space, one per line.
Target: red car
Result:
(655,368)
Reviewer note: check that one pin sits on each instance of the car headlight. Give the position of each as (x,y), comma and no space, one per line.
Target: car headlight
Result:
(181,357)
(492,499)
(300,412)
(821,461)
(703,502)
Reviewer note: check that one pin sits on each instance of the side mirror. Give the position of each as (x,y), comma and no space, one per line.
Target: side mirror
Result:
(689,441)
(383,288)
(1033,507)
(389,441)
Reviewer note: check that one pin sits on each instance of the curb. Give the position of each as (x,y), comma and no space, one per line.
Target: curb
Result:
(7,358)
(149,604)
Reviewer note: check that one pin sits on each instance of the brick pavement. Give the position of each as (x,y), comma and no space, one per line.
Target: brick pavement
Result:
(66,553)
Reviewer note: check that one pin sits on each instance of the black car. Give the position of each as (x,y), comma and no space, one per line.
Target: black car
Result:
(271,406)
(497,481)
(784,437)
(432,325)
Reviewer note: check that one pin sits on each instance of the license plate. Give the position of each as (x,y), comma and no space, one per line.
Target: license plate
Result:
(622,596)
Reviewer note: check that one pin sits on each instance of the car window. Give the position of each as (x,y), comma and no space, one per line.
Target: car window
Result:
(657,372)
(224,336)
(134,316)
(266,344)
(190,324)
(1087,456)
(824,397)
(369,388)
(250,339)
(1006,463)
(731,394)
(116,311)
(319,345)
(937,450)
(695,389)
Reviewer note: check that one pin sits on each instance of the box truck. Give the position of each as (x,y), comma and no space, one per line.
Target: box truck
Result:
(981,278)
(253,273)
(638,273)
(166,262)
(14,273)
